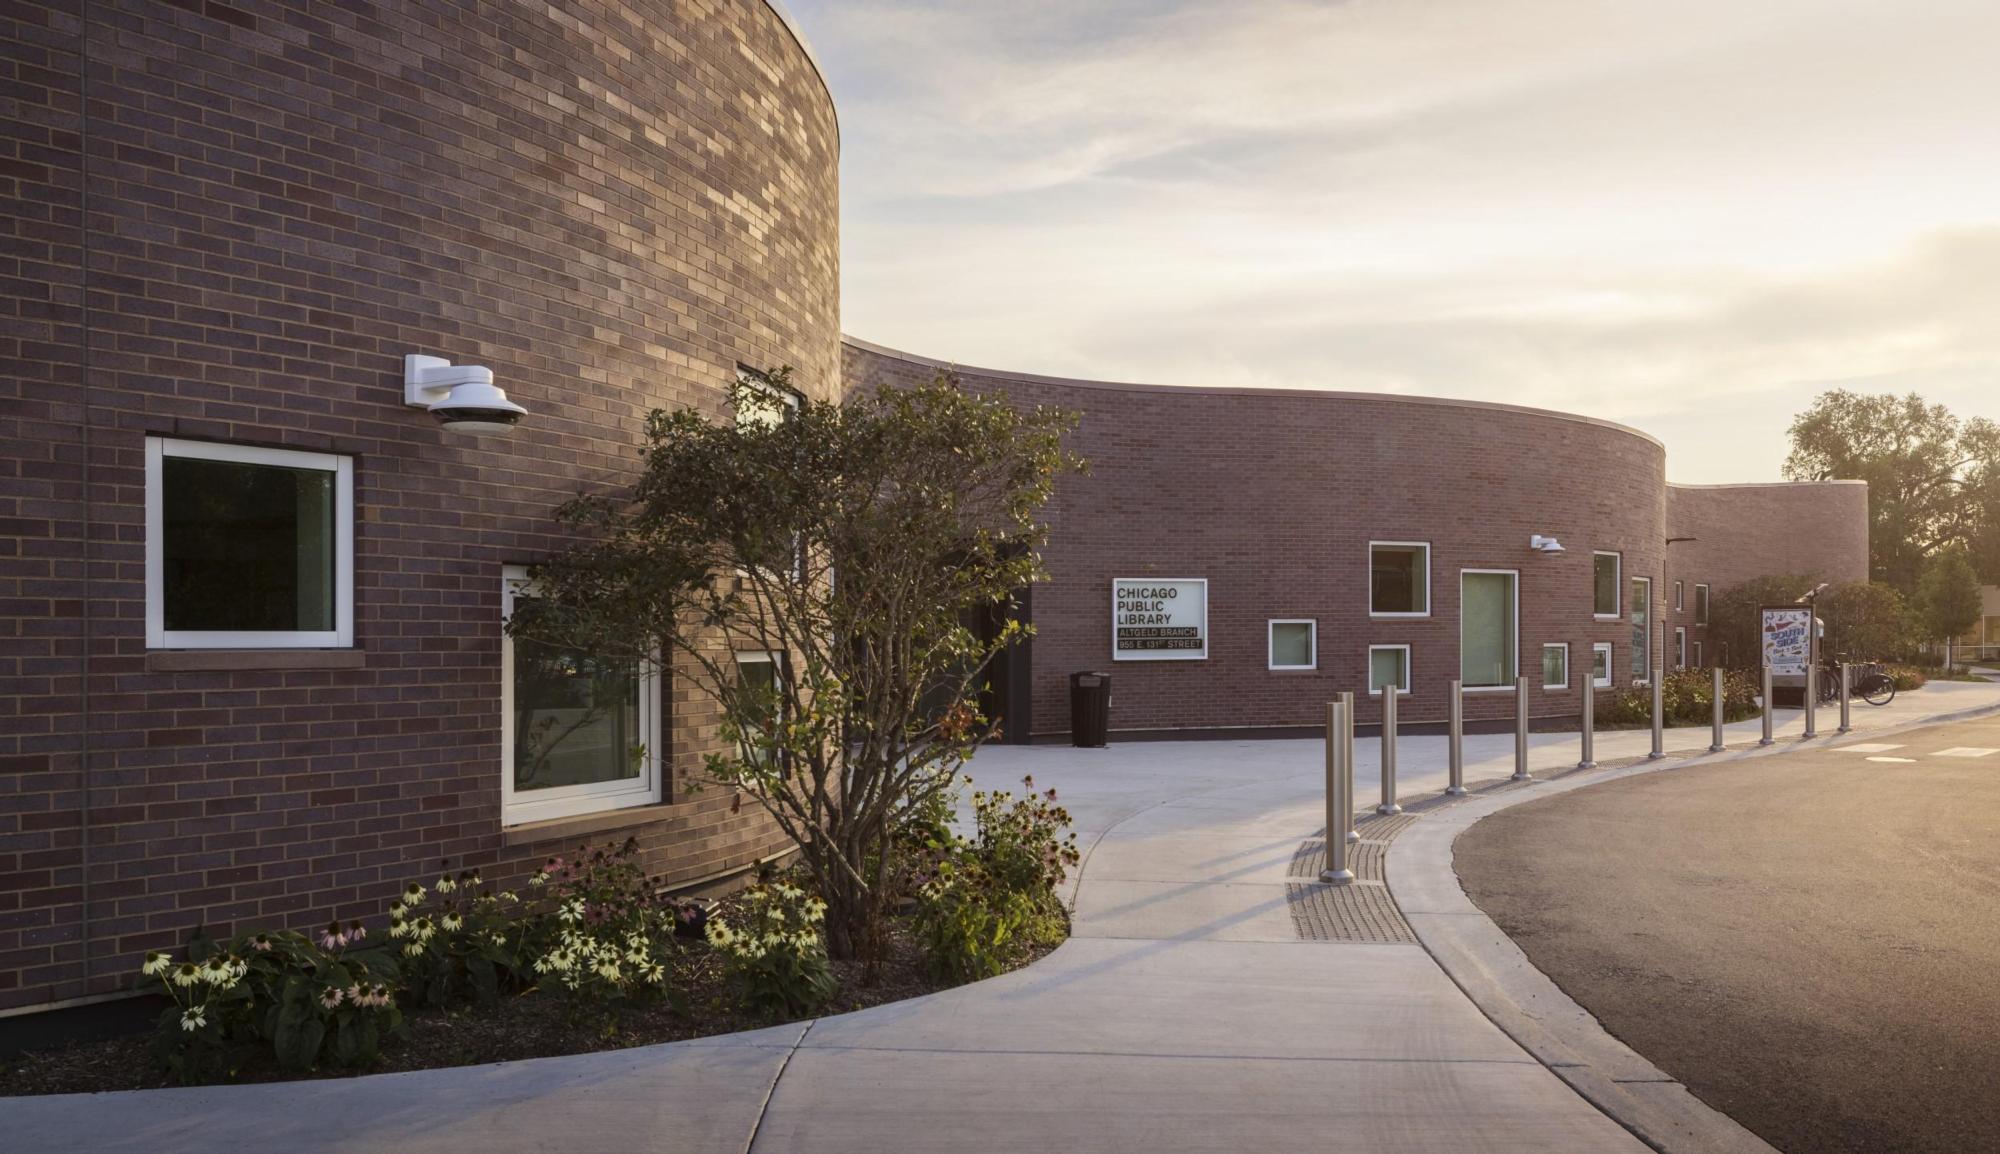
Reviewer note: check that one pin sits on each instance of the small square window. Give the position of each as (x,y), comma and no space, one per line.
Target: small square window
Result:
(1294,644)
(248,548)
(1600,665)
(1605,583)
(1555,666)
(1399,579)
(1701,604)
(759,400)
(1388,665)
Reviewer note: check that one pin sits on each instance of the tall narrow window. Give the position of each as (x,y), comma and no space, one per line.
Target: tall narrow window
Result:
(1487,636)
(1293,644)
(1600,664)
(1399,579)
(761,676)
(1679,604)
(1604,578)
(579,733)
(1642,628)
(1388,665)
(248,547)
(1701,604)
(1555,665)
(1680,647)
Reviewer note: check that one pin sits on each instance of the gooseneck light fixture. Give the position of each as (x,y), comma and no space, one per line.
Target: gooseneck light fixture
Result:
(462,397)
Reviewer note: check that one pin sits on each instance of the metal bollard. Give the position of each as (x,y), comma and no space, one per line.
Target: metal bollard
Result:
(1716,744)
(1767,739)
(1589,758)
(1388,805)
(1347,751)
(1659,749)
(1846,693)
(1521,730)
(1339,793)
(1812,700)
(1455,742)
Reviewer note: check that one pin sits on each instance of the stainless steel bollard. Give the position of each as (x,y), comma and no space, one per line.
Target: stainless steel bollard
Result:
(1347,751)
(1388,805)
(1846,695)
(1339,793)
(1589,758)
(1812,700)
(1659,749)
(1455,742)
(1716,744)
(1767,739)
(1521,730)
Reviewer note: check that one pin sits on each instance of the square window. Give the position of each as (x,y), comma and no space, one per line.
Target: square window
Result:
(759,401)
(580,733)
(248,548)
(1604,572)
(1701,604)
(1555,666)
(1388,665)
(1488,637)
(1399,578)
(1294,644)
(1600,665)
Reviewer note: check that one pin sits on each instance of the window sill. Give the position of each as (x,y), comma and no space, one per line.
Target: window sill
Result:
(581,825)
(232,660)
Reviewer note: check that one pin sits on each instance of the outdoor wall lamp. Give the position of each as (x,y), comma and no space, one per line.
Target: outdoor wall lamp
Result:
(461,397)
(1541,544)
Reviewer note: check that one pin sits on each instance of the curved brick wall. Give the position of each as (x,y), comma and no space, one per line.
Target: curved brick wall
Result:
(260,210)
(1273,496)
(1812,528)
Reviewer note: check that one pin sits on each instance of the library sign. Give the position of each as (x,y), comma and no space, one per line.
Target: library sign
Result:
(1159,619)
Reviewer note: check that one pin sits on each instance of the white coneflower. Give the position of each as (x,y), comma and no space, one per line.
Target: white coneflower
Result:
(187,974)
(445,885)
(414,949)
(331,997)
(193,1018)
(397,910)
(156,963)
(451,922)
(399,928)
(413,893)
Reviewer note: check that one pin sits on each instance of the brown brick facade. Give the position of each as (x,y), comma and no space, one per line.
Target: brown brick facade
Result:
(1274,495)
(230,221)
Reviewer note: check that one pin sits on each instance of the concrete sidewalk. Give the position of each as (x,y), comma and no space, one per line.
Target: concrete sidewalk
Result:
(1185,1014)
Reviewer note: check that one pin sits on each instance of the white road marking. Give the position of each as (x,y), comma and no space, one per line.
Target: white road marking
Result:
(1867,747)
(1904,760)
(1965,751)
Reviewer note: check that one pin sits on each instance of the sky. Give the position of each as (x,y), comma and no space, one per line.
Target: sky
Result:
(1688,217)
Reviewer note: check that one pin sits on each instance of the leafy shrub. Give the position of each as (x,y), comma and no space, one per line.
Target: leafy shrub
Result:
(608,940)
(997,894)
(284,995)
(1907,677)
(776,959)
(458,942)
(1687,697)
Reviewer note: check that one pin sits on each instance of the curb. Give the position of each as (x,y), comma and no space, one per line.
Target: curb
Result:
(1497,977)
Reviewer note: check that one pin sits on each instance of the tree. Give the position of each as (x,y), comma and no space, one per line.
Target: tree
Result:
(1735,620)
(1948,602)
(851,542)
(1933,481)
(1865,620)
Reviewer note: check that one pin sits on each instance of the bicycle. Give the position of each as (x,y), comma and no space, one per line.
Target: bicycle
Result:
(1866,682)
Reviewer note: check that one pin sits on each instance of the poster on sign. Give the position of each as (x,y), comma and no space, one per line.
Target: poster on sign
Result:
(1787,639)
(1159,619)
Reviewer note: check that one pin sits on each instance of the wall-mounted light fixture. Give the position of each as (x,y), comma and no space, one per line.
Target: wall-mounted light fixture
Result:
(1541,544)
(461,397)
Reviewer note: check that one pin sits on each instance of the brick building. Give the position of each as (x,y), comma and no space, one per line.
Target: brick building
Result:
(252,668)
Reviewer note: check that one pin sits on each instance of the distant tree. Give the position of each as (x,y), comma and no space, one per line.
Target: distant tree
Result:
(1933,480)
(1735,623)
(1866,620)
(1948,599)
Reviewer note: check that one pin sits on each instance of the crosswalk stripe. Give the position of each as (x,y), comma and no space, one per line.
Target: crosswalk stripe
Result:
(1901,760)
(1965,751)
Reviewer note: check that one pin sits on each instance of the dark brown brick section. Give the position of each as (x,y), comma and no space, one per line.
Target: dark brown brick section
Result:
(231,221)
(1273,496)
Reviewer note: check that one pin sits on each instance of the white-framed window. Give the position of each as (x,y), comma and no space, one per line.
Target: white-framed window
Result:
(1606,579)
(1555,665)
(1293,643)
(247,547)
(1388,665)
(1600,664)
(761,401)
(1399,579)
(1700,604)
(1679,605)
(1642,630)
(1489,628)
(579,734)
(1680,647)
(762,673)
(1697,655)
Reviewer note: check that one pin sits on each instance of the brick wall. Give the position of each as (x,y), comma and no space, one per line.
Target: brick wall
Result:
(1273,496)
(230,221)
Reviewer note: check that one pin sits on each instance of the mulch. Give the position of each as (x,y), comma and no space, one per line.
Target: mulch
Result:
(525,1025)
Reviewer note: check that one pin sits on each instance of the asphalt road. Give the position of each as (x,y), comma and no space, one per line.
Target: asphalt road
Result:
(1810,943)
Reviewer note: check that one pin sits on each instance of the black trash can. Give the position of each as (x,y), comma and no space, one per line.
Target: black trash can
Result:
(1089,709)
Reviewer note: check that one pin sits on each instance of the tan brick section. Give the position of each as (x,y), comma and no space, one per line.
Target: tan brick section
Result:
(1274,495)
(230,221)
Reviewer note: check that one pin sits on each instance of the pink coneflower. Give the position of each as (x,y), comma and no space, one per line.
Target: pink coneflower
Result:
(261,943)
(356,931)
(331,997)
(332,937)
